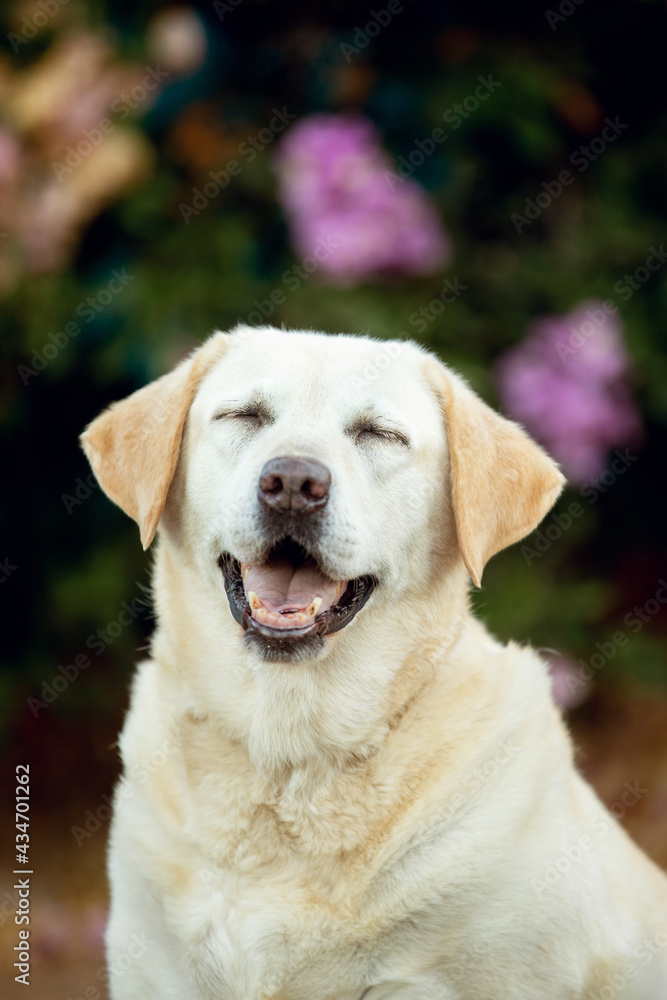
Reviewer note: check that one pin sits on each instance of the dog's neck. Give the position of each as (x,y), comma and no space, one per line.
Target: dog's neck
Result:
(339,708)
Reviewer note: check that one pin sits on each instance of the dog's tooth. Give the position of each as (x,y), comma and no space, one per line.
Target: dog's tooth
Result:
(254,600)
(314,606)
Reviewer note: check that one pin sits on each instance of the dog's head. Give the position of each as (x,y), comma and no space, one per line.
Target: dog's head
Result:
(300,472)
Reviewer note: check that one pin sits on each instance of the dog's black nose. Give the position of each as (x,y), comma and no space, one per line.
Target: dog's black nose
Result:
(294,485)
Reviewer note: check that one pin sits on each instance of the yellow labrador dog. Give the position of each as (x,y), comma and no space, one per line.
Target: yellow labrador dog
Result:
(360,793)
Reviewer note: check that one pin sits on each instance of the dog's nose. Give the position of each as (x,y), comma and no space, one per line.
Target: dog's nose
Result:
(294,485)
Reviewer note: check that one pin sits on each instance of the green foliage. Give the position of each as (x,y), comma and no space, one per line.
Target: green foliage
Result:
(556,89)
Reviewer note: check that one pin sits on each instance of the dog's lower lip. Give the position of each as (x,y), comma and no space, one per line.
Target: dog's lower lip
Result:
(283,633)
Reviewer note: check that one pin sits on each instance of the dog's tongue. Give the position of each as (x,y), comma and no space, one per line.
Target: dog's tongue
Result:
(285,596)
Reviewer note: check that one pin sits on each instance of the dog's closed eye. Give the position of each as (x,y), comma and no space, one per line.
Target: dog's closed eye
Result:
(370,431)
(251,414)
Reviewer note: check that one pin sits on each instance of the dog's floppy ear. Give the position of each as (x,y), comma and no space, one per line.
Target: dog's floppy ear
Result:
(502,483)
(133,446)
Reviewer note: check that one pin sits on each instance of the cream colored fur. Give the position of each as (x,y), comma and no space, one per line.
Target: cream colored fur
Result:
(399,818)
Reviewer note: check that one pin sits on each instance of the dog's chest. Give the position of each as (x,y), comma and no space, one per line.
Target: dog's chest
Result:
(260,939)
(275,910)
(281,899)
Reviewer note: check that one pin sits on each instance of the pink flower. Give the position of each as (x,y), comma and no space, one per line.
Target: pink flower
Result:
(338,187)
(570,689)
(566,383)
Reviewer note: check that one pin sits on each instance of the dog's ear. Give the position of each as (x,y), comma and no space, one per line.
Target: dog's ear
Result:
(502,483)
(133,446)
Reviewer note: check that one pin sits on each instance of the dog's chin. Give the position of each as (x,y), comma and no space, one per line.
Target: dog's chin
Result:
(287,605)
(283,649)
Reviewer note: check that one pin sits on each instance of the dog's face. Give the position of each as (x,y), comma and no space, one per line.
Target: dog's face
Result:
(305,474)
(313,470)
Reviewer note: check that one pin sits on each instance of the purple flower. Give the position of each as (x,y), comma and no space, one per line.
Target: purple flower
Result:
(568,686)
(566,383)
(339,190)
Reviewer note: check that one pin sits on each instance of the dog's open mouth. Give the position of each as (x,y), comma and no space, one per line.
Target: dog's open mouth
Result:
(287,598)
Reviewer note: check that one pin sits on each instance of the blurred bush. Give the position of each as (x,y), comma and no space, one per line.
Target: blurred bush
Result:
(140,208)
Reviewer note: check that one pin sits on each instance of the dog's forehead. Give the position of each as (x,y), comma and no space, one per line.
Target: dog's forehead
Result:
(349,372)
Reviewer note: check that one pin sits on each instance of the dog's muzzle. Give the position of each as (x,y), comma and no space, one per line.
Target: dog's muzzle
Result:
(285,602)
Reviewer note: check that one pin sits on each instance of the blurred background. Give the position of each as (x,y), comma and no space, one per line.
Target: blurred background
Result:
(487,179)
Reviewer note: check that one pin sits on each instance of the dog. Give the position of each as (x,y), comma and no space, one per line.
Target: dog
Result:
(355,790)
